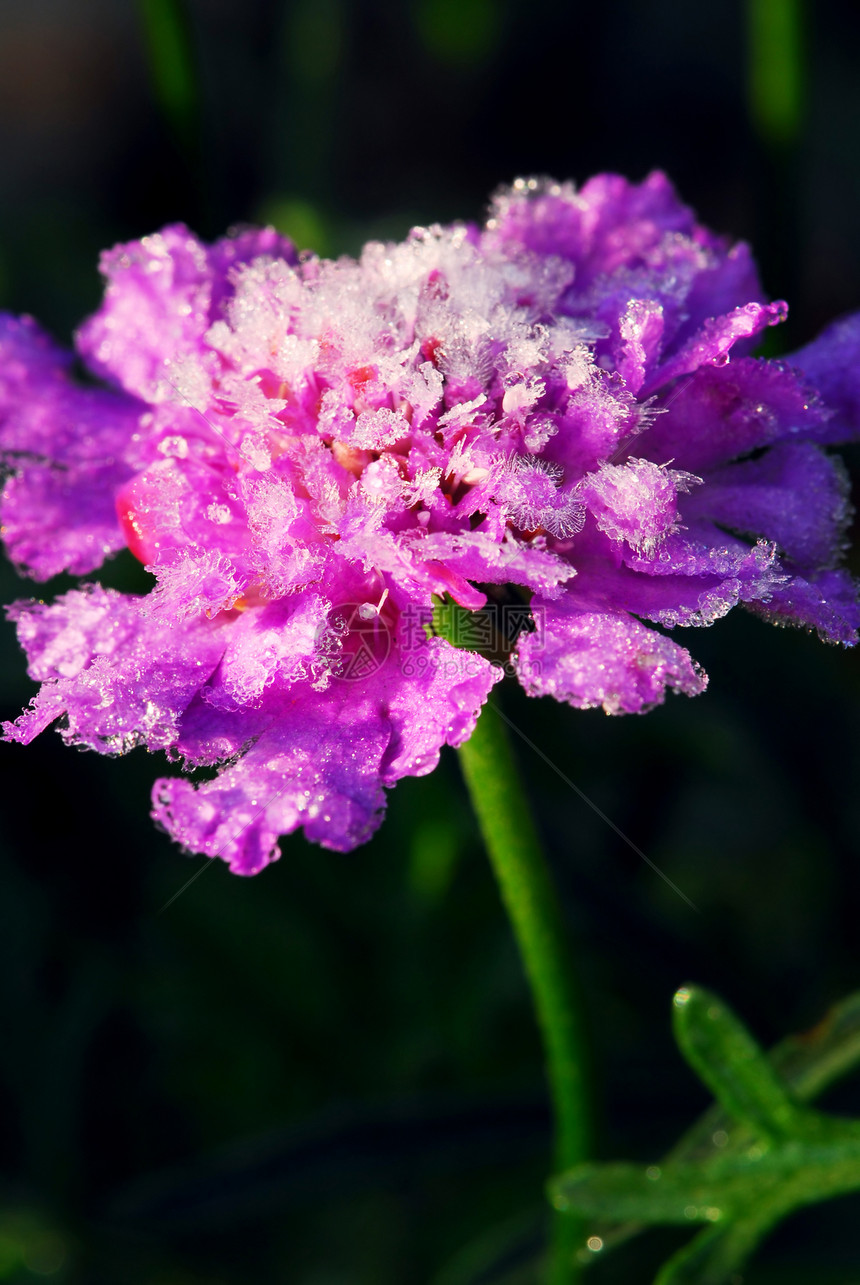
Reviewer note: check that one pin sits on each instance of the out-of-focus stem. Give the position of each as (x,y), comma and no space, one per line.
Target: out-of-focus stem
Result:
(775,69)
(171,66)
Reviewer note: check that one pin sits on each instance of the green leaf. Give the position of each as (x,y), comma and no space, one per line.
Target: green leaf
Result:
(724,1055)
(715,1255)
(748,1162)
(650,1195)
(796,1172)
(809,1063)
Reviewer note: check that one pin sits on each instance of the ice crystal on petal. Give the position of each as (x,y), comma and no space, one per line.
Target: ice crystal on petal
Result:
(637,502)
(560,409)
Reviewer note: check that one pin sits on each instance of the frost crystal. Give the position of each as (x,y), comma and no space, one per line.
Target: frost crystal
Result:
(559,409)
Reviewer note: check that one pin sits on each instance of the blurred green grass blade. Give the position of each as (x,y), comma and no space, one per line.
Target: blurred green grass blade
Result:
(650,1195)
(171,63)
(811,1062)
(725,1056)
(714,1256)
(775,84)
(508,1252)
(746,1194)
(725,1188)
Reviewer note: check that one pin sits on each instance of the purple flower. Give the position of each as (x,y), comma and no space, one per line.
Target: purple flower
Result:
(559,411)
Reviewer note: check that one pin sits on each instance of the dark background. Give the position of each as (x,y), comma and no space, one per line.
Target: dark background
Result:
(329,1074)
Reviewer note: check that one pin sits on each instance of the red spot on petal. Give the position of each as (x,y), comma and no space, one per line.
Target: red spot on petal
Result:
(360,377)
(132,521)
(430,349)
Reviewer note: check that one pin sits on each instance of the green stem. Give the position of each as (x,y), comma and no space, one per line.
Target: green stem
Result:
(530,900)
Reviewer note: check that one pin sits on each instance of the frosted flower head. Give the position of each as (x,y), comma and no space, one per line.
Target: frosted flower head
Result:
(557,413)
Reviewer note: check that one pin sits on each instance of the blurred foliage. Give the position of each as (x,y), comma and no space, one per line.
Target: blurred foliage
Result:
(329,1075)
(776,72)
(755,1157)
(460,32)
(171,62)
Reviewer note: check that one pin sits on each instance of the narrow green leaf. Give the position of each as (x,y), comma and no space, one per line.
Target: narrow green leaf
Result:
(725,1188)
(726,1057)
(627,1191)
(714,1256)
(808,1063)
(811,1062)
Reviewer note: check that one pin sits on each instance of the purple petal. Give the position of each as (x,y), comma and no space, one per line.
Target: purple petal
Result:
(479,557)
(181,503)
(324,446)
(634,247)
(723,412)
(65,446)
(640,338)
(232,252)
(712,344)
(685,581)
(591,657)
(120,676)
(156,308)
(278,644)
(832,363)
(794,495)
(636,502)
(281,782)
(320,759)
(730,281)
(826,603)
(163,293)
(609,224)
(59,518)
